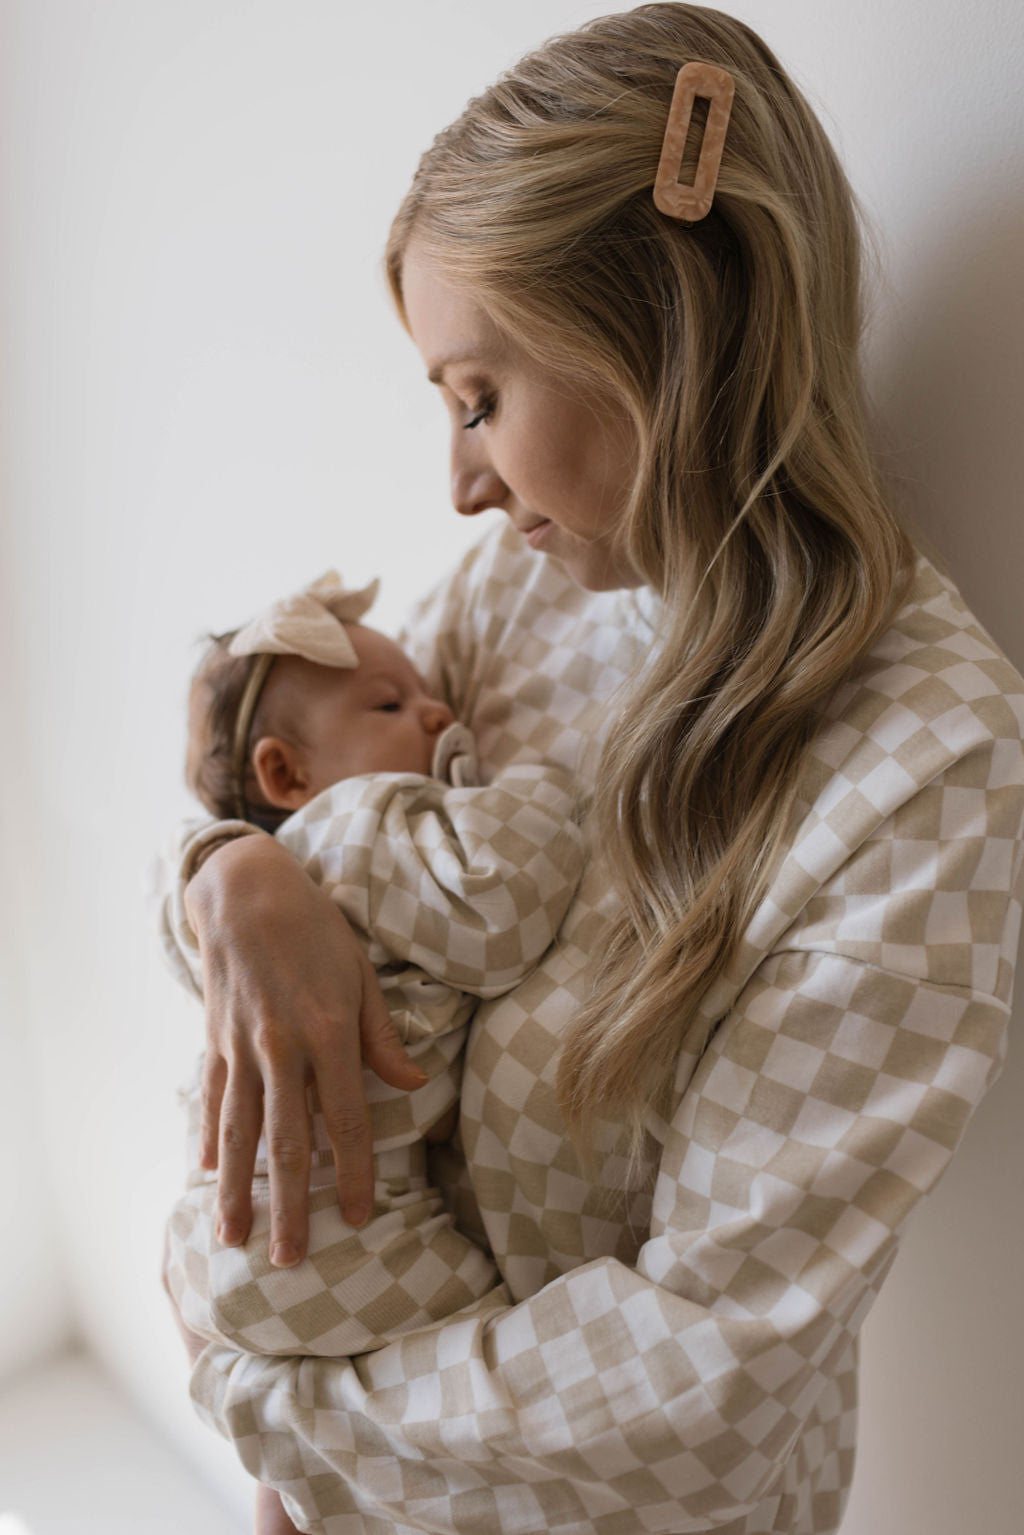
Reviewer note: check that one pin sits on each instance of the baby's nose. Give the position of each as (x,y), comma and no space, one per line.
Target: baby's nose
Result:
(436,716)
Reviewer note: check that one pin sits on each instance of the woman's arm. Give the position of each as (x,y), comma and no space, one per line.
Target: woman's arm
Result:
(291,998)
(673,1394)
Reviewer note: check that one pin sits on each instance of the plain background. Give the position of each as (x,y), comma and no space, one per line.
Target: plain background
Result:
(206,401)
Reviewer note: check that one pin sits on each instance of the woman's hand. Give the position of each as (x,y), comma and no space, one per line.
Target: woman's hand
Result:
(290,998)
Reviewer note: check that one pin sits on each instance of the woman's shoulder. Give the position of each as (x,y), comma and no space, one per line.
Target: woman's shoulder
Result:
(923,744)
(910,796)
(934,687)
(940,634)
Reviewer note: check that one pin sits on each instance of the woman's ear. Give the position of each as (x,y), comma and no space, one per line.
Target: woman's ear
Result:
(280,772)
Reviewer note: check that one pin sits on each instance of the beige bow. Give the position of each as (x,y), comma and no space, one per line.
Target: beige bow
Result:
(311,624)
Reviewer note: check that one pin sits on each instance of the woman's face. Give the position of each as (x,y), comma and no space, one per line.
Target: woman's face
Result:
(552,455)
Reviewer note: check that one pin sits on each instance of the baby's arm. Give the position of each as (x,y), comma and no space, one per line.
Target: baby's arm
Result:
(470,885)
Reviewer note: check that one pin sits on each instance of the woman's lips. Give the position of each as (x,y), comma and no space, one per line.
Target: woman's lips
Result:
(535,536)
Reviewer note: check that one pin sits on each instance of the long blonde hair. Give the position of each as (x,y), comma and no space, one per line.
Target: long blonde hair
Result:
(757,512)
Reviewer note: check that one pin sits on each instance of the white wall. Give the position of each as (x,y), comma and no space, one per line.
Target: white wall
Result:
(35,1312)
(207,401)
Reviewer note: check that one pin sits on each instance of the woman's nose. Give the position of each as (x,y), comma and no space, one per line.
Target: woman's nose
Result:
(475,485)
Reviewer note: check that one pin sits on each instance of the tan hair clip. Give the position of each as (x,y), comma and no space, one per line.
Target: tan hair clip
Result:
(693,202)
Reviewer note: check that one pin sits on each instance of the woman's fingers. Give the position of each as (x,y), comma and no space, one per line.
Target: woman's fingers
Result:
(214,1081)
(347,1122)
(291,997)
(382,1049)
(287,1129)
(241,1116)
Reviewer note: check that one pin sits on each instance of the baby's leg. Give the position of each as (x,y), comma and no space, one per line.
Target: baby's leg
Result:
(356,1291)
(271,1518)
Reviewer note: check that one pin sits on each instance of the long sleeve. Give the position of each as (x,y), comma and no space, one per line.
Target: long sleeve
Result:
(679,1392)
(470,885)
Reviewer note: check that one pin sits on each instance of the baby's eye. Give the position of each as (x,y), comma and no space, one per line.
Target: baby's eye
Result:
(390,706)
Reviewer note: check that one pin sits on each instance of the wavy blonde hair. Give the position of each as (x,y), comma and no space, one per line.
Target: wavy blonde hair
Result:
(757,513)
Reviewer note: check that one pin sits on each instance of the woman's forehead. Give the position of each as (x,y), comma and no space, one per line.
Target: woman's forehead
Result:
(448,326)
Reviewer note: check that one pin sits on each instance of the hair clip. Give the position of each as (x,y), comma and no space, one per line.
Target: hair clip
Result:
(692,202)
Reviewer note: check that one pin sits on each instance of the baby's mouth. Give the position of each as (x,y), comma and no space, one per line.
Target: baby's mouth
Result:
(536,532)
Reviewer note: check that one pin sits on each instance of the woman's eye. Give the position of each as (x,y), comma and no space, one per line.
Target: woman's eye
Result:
(483,412)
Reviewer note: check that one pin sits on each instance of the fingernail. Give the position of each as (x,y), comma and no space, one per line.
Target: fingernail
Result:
(355,1214)
(229,1234)
(283,1255)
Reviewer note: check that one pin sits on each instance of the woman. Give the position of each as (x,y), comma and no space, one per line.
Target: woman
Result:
(692,1139)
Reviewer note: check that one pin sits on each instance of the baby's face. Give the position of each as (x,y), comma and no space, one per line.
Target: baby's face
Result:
(377,717)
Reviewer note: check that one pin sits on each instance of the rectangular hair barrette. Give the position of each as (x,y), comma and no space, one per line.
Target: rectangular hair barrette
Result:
(692,201)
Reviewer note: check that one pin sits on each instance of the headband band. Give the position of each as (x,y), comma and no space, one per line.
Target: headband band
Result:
(310,624)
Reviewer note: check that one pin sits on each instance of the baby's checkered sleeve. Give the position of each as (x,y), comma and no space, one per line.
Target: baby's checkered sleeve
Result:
(669,1396)
(470,885)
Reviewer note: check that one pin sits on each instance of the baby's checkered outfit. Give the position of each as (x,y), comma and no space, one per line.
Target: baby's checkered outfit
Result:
(456,893)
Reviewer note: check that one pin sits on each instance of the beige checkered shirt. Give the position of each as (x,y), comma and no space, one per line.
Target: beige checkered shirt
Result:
(685,1360)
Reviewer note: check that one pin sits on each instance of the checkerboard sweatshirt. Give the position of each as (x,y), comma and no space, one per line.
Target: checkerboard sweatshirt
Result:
(682,1356)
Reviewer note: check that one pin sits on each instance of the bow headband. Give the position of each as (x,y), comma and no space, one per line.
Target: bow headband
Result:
(310,624)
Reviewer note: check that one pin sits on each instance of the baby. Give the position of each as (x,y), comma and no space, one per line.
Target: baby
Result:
(309,724)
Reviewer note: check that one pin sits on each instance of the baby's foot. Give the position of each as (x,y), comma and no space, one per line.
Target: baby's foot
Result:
(271,1518)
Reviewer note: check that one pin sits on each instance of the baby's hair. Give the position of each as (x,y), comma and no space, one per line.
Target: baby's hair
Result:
(218,684)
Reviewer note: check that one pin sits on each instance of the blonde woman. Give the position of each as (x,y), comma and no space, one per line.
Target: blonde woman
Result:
(693,1137)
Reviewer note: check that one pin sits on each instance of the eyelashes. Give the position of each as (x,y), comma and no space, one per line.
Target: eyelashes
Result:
(484,412)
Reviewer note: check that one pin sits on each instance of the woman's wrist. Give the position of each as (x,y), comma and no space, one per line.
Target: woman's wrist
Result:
(206,849)
(224,867)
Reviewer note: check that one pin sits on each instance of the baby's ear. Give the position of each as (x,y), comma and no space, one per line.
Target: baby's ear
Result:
(280,772)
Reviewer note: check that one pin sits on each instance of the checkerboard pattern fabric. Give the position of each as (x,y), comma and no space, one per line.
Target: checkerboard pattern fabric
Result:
(456,893)
(680,1356)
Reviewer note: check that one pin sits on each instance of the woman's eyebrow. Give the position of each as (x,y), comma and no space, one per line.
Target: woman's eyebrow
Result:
(437,372)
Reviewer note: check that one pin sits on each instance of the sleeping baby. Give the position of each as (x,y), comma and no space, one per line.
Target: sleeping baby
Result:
(313,727)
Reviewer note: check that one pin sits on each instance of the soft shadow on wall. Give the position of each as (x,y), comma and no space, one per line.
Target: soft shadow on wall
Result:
(949,384)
